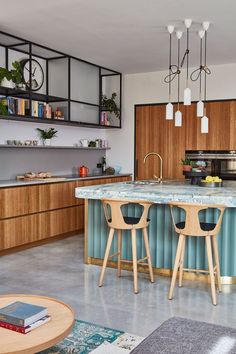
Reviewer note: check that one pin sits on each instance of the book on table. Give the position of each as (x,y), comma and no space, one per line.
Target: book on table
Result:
(22,314)
(26,329)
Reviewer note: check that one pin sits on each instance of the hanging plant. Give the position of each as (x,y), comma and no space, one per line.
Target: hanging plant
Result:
(110,105)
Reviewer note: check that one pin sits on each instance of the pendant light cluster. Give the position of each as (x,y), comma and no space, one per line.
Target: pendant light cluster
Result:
(175,71)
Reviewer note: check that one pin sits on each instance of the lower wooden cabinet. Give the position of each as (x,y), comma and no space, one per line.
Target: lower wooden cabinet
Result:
(30,214)
(30,228)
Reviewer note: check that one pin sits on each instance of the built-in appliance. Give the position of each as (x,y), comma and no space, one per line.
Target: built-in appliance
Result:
(220,163)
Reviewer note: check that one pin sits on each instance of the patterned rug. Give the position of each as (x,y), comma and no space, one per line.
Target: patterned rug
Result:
(86,337)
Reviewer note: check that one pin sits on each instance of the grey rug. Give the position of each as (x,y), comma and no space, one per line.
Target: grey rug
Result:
(182,336)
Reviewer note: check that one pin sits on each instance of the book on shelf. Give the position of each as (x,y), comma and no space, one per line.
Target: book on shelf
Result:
(21,313)
(28,328)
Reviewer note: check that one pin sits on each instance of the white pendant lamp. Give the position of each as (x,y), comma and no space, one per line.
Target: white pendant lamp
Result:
(178,118)
(169,111)
(187,91)
(169,106)
(204,125)
(200,105)
(200,109)
(178,113)
(204,119)
(187,96)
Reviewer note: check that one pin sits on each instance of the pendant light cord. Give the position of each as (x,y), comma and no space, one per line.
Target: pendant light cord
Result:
(187,54)
(205,65)
(170,55)
(178,71)
(200,83)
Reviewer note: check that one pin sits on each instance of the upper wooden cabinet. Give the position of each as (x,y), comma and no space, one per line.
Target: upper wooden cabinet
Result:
(221,136)
(155,133)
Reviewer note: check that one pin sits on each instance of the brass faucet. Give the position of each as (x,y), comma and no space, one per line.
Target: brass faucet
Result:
(161,164)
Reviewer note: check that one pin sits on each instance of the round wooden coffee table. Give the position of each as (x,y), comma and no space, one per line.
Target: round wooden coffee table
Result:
(41,338)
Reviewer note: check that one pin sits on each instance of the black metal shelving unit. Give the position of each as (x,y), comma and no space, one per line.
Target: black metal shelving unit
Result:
(13,44)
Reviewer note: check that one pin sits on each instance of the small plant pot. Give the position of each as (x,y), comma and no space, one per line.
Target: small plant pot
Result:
(7,83)
(47,142)
(187,168)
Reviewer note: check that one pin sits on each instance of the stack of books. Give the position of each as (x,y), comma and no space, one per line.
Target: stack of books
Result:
(22,317)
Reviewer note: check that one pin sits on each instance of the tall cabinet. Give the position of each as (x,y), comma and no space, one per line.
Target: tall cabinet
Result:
(154,133)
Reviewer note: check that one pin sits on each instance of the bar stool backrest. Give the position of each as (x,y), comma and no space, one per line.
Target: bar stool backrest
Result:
(115,218)
(192,225)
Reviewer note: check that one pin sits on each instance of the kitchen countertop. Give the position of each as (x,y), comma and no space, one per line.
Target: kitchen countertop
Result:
(170,190)
(15,183)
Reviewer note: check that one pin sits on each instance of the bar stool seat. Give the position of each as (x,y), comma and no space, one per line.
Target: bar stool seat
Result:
(194,228)
(205,226)
(130,220)
(117,222)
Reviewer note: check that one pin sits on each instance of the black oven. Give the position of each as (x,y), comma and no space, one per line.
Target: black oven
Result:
(220,163)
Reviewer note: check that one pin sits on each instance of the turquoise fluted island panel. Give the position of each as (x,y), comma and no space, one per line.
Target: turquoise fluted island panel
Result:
(162,237)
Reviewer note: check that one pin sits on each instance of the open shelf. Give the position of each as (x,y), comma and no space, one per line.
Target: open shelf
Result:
(18,93)
(70,85)
(56,121)
(50,147)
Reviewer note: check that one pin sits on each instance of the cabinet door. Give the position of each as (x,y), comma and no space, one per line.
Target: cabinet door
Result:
(195,140)
(233,125)
(219,125)
(156,134)
(221,135)
(31,228)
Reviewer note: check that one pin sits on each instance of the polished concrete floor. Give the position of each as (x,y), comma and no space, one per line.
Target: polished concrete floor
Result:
(57,270)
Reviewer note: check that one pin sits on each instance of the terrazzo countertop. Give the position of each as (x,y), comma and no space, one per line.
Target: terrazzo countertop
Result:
(171,190)
(15,183)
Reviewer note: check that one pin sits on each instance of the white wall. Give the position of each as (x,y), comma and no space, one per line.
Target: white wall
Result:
(66,136)
(150,88)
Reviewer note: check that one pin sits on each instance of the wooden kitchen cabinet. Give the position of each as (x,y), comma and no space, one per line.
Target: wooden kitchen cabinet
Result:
(155,133)
(221,134)
(30,214)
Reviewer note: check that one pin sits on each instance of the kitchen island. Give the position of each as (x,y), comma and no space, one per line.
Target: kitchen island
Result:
(162,237)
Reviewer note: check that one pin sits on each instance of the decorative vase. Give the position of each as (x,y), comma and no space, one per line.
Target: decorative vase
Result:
(7,83)
(47,142)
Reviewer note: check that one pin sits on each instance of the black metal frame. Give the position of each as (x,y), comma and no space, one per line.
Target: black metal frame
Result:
(30,95)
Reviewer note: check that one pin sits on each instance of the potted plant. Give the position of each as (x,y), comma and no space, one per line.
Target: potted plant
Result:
(110,105)
(187,165)
(46,135)
(3,108)
(9,78)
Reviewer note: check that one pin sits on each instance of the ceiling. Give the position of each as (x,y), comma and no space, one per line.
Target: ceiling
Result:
(126,35)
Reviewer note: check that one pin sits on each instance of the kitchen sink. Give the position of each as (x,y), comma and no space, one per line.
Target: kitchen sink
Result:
(144,182)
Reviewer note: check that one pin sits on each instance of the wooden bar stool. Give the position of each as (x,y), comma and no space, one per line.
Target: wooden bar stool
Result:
(193,227)
(116,221)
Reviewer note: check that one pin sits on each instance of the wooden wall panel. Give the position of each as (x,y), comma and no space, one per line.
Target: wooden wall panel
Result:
(155,133)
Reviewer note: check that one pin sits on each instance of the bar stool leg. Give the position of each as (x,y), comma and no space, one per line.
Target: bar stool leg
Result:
(211,269)
(146,243)
(107,252)
(119,236)
(135,265)
(176,265)
(181,270)
(216,256)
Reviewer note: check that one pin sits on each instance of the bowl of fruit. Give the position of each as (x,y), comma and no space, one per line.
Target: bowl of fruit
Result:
(211,182)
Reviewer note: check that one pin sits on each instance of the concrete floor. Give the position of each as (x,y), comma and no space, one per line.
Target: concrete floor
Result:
(57,270)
